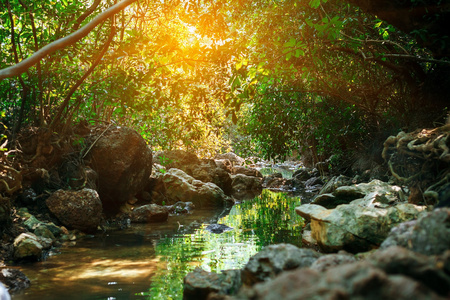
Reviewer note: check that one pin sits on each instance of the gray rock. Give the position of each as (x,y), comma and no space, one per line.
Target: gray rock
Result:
(334,183)
(27,246)
(235,160)
(274,181)
(429,234)
(218,228)
(179,186)
(181,208)
(328,261)
(150,213)
(349,192)
(208,171)
(245,187)
(80,210)
(55,230)
(274,259)
(314,181)
(247,171)
(308,210)
(14,279)
(224,164)
(199,284)
(303,174)
(354,227)
(31,223)
(327,200)
(44,231)
(374,193)
(350,281)
(425,269)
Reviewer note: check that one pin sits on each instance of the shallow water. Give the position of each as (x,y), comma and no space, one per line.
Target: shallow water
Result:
(150,261)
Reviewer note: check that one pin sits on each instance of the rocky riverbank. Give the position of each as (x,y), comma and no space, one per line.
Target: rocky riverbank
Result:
(412,262)
(58,189)
(386,240)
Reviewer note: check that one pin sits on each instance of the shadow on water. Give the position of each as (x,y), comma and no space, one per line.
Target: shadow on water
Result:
(150,261)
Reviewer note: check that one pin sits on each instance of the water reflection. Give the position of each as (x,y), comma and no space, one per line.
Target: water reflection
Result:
(150,261)
(268,219)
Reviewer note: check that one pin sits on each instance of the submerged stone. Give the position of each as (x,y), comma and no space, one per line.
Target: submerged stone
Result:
(218,228)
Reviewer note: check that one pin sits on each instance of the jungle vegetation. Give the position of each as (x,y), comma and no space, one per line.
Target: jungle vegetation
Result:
(271,78)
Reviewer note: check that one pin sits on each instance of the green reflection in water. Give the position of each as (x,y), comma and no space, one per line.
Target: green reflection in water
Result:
(268,219)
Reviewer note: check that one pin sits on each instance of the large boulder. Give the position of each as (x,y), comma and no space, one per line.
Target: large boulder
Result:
(80,210)
(123,162)
(179,186)
(206,170)
(429,234)
(375,192)
(245,187)
(274,259)
(355,227)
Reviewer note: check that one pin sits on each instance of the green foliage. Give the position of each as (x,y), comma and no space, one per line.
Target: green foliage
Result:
(184,74)
(281,123)
(321,76)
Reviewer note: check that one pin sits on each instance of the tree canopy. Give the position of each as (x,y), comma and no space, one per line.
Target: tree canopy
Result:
(261,77)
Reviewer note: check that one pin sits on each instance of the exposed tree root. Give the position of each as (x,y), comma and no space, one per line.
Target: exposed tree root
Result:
(421,160)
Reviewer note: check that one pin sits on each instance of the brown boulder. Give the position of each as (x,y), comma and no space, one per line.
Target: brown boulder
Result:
(80,210)
(123,163)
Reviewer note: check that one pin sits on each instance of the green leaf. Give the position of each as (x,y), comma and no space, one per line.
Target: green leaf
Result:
(291,43)
(288,56)
(299,52)
(314,3)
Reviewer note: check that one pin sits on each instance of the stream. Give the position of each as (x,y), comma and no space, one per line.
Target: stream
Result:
(149,261)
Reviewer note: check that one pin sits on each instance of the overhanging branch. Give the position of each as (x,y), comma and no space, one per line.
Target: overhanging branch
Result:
(72,38)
